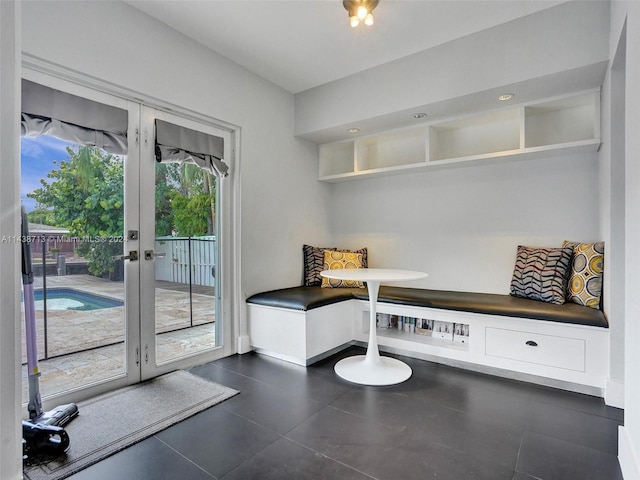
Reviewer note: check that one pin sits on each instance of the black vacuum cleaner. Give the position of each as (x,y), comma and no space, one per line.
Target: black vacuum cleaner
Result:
(44,432)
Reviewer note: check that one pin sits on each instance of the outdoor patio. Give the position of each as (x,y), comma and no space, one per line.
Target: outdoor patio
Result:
(85,347)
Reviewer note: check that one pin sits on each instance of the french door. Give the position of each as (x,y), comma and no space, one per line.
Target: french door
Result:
(183,217)
(157,276)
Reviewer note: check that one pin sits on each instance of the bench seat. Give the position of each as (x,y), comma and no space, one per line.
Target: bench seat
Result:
(303,298)
(308,298)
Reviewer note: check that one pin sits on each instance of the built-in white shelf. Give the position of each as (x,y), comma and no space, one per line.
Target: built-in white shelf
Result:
(413,337)
(569,124)
(417,339)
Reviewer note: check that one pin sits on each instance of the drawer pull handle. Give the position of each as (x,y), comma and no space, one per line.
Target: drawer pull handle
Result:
(531,343)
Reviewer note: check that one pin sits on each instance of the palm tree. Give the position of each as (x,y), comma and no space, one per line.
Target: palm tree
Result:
(85,167)
(193,177)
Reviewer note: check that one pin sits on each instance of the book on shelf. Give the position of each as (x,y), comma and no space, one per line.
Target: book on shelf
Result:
(409,324)
(461,333)
(442,330)
(424,326)
(382,320)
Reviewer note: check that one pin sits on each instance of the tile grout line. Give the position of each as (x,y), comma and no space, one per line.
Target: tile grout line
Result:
(183,456)
(323,455)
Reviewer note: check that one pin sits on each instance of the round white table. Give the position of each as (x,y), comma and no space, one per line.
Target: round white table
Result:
(372,369)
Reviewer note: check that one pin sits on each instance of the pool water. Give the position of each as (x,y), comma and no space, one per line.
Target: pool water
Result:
(71,299)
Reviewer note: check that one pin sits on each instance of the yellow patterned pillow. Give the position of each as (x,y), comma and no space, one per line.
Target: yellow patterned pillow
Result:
(334,260)
(585,280)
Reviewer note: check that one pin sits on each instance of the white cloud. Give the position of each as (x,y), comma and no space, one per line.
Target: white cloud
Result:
(44,145)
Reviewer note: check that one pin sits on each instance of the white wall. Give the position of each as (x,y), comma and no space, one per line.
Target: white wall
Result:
(629,438)
(10,373)
(463,225)
(282,203)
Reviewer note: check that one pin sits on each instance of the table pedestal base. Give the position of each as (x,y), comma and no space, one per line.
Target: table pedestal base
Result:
(381,371)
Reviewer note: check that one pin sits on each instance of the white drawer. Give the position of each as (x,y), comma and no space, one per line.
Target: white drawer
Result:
(561,352)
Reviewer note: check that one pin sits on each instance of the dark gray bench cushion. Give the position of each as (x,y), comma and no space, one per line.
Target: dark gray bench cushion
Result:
(492,304)
(307,298)
(302,298)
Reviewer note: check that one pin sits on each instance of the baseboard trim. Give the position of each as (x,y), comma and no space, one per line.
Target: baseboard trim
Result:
(626,456)
(303,362)
(244,344)
(614,394)
(498,372)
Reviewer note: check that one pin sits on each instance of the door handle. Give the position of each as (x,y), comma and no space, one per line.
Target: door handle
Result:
(133,256)
(150,254)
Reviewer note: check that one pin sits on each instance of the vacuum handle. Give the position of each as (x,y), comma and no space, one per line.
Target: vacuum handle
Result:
(27,269)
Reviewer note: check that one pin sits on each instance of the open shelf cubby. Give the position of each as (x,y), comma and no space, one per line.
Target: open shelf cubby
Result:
(562,125)
(425,338)
(491,132)
(336,158)
(566,120)
(391,149)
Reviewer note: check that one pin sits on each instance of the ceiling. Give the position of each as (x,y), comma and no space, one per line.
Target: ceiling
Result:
(300,44)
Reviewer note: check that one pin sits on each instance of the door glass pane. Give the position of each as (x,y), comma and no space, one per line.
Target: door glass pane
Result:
(74,199)
(185,261)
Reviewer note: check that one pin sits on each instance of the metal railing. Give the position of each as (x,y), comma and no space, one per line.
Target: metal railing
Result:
(189,261)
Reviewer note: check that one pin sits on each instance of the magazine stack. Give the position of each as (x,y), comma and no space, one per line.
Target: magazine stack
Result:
(454,332)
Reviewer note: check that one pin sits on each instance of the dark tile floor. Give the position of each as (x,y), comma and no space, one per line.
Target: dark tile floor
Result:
(289,422)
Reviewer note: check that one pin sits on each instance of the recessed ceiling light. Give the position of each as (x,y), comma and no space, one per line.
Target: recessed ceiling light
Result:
(353,130)
(505,96)
(419,115)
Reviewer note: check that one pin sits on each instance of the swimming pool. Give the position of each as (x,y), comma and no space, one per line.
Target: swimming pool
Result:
(72,299)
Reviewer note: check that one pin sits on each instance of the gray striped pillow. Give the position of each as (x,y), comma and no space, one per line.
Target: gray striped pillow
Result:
(313,263)
(541,273)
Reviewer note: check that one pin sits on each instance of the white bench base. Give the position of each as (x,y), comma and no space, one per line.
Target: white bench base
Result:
(301,337)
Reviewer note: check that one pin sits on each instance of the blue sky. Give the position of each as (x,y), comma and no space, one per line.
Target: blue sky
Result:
(38,155)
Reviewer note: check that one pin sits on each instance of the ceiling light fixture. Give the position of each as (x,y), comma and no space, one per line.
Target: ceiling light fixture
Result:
(506,96)
(353,130)
(360,11)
